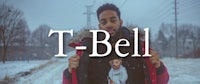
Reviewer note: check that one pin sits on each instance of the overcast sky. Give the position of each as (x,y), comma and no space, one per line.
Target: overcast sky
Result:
(68,14)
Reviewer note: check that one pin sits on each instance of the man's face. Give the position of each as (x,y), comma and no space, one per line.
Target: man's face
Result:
(109,21)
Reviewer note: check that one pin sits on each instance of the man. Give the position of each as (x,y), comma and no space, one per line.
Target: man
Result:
(94,70)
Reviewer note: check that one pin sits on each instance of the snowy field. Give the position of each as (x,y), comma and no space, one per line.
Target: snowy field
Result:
(51,74)
(42,71)
(11,68)
(182,71)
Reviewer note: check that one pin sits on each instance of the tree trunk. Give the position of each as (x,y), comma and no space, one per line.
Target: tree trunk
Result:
(4,54)
(194,48)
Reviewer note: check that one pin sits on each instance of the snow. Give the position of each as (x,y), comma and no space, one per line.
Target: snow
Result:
(181,71)
(11,68)
(51,74)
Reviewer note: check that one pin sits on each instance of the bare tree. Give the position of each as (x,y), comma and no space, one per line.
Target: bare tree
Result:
(1,29)
(196,40)
(41,40)
(40,35)
(48,45)
(23,33)
(188,36)
(9,18)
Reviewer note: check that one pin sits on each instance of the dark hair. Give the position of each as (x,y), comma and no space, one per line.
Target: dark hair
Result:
(108,6)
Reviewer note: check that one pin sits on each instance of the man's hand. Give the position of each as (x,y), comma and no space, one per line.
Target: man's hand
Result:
(155,58)
(73,62)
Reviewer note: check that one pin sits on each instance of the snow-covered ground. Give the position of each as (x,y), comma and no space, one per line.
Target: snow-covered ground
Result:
(182,71)
(51,74)
(11,68)
(42,71)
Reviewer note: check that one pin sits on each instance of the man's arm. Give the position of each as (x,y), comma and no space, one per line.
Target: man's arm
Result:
(67,77)
(73,64)
(162,74)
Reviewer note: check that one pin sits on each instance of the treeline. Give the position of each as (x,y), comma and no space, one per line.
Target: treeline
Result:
(164,42)
(17,42)
(188,40)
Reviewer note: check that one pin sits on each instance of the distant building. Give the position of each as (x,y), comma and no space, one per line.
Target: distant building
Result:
(188,46)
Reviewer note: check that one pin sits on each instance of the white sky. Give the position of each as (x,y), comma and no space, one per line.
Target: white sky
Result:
(68,14)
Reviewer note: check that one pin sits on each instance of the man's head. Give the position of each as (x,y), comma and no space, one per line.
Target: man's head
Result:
(109,18)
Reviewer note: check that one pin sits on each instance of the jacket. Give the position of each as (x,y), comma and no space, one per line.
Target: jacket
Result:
(95,70)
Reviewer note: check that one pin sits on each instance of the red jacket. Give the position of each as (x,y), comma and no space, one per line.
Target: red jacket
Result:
(156,77)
